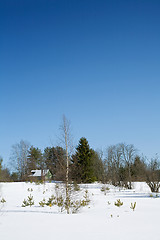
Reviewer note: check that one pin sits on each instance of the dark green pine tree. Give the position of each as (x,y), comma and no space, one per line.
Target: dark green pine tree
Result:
(84,163)
(35,159)
(55,161)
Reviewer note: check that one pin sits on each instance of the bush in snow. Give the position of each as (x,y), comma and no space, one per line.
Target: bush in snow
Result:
(42,203)
(105,189)
(133,206)
(59,200)
(28,202)
(118,203)
(3,200)
(76,187)
(30,189)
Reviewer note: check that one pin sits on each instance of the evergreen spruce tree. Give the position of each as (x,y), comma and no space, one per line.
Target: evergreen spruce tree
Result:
(84,162)
(34,159)
(55,160)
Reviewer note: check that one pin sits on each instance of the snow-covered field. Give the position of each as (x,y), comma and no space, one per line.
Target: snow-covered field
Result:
(101,219)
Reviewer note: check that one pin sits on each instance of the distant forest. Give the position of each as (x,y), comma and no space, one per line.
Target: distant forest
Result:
(119,165)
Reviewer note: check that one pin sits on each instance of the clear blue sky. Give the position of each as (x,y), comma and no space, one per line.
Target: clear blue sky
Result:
(97,62)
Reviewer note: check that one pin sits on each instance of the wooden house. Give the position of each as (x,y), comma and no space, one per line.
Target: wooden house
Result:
(40,175)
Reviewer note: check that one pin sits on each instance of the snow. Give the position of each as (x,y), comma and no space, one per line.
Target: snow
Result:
(101,219)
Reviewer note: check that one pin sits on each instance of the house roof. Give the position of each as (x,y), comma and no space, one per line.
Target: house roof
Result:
(38,173)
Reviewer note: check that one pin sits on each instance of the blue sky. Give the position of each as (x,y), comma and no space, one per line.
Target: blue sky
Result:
(97,62)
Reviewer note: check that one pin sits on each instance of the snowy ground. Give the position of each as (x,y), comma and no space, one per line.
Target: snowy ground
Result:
(100,220)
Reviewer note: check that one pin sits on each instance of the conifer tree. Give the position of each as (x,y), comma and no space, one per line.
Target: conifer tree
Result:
(55,160)
(84,162)
(34,159)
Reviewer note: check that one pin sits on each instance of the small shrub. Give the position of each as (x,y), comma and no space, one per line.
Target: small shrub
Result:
(76,205)
(154,196)
(118,203)
(42,203)
(25,203)
(86,197)
(133,206)
(3,200)
(105,189)
(76,187)
(59,200)
(53,200)
(56,186)
(28,202)
(30,189)
(39,182)
(50,201)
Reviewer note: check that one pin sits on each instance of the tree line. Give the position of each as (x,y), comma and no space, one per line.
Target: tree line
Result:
(119,165)
(85,164)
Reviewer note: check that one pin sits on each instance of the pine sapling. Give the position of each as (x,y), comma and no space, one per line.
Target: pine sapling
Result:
(105,189)
(3,200)
(30,189)
(28,202)
(118,203)
(42,203)
(86,197)
(25,203)
(133,206)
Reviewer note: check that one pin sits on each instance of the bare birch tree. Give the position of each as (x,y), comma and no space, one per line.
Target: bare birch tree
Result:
(19,154)
(66,140)
(153,174)
(128,155)
(113,163)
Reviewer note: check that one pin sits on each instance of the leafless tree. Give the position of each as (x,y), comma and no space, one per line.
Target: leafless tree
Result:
(113,162)
(128,155)
(153,174)
(66,141)
(19,154)
(118,162)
